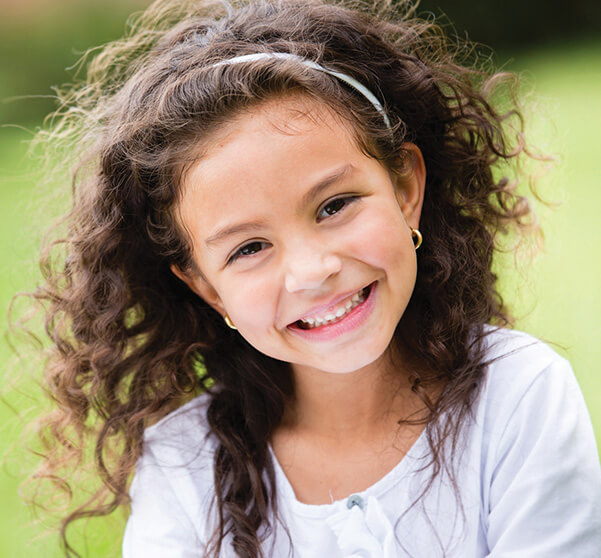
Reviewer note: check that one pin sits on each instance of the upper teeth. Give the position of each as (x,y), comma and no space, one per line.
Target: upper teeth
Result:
(335,313)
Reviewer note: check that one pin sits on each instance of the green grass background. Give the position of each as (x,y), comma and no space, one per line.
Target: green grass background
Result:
(557,295)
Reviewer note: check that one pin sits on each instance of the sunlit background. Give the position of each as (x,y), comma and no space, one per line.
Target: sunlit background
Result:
(554,44)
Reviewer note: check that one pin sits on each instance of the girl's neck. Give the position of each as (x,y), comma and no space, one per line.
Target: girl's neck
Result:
(349,408)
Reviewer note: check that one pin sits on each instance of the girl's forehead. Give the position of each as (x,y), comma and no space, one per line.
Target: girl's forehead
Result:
(272,136)
(287,114)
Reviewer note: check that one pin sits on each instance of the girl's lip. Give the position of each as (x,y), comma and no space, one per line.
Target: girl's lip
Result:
(349,322)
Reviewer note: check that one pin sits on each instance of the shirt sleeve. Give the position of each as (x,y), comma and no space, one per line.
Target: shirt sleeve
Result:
(158,526)
(545,489)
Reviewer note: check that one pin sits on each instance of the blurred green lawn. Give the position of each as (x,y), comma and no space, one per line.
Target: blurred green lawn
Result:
(557,300)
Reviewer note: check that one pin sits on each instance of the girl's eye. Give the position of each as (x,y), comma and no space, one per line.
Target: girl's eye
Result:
(334,206)
(247,250)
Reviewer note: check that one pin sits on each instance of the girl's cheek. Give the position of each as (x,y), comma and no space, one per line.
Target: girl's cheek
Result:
(251,299)
(380,240)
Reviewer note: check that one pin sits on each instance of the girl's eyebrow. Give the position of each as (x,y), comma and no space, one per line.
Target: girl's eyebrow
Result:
(224,232)
(324,183)
(307,198)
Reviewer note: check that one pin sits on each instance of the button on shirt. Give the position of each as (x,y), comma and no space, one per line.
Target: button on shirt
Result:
(354,500)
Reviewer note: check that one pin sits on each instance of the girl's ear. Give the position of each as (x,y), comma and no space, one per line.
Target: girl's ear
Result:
(199,285)
(410,187)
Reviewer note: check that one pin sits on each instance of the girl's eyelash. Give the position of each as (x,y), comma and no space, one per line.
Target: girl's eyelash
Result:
(336,205)
(240,251)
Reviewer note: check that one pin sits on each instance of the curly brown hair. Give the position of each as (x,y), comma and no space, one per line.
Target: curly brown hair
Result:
(131,341)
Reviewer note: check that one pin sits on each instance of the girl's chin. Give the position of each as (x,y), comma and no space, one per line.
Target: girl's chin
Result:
(347,363)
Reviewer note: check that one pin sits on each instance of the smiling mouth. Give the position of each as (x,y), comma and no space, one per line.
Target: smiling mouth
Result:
(336,313)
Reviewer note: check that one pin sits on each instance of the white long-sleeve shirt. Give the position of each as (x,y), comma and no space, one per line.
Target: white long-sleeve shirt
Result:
(528,479)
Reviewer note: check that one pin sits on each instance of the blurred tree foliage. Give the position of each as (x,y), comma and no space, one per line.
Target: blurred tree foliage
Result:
(509,24)
(40,39)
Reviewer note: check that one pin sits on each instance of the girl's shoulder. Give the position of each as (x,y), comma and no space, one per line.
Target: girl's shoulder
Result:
(533,442)
(183,433)
(502,343)
(530,397)
(172,489)
(521,368)
(518,361)
(190,412)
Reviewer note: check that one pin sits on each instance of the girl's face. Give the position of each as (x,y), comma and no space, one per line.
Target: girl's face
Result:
(301,238)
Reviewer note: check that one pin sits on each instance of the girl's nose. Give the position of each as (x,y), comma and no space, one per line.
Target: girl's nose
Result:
(310,270)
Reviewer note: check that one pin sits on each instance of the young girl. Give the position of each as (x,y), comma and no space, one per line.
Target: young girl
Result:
(276,300)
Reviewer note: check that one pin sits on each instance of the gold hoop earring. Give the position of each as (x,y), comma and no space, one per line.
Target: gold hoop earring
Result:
(417,237)
(229,322)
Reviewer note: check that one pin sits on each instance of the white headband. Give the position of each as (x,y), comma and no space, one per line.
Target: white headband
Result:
(309,63)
